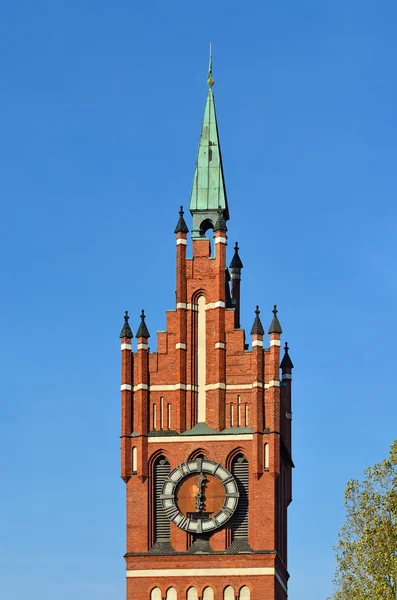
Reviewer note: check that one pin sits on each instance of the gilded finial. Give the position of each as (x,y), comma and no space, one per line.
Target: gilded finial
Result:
(210,81)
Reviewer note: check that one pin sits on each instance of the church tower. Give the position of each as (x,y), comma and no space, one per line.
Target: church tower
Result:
(206,423)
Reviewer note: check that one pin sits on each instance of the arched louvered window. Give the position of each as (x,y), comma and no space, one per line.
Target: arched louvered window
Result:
(245,593)
(161,522)
(192,594)
(171,594)
(239,522)
(208,594)
(228,593)
(155,594)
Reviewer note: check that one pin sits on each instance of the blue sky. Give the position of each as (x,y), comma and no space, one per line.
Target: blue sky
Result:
(101,108)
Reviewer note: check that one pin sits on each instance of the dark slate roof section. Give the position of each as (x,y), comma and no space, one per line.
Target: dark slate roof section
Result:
(275,326)
(181,226)
(126,331)
(236,260)
(220,224)
(286,363)
(257,327)
(143,331)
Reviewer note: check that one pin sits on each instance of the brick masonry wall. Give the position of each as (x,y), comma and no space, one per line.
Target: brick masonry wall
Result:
(249,378)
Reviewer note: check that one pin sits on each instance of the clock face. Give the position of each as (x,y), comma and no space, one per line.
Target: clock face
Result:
(199,496)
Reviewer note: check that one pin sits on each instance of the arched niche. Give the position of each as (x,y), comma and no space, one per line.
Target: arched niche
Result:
(208,594)
(192,594)
(134,459)
(228,593)
(155,594)
(171,594)
(245,593)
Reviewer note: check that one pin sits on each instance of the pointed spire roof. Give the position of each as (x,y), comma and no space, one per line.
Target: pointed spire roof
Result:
(220,224)
(181,226)
(257,327)
(143,331)
(236,260)
(286,363)
(126,331)
(275,326)
(208,192)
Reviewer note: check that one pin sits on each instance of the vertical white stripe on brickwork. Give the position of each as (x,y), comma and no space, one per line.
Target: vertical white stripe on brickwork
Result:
(201,360)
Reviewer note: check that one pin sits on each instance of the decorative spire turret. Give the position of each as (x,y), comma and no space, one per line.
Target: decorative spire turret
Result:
(236,260)
(126,331)
(286,363)
(208,192)
(275,326)
(143,331)
(181,226)
(257,327)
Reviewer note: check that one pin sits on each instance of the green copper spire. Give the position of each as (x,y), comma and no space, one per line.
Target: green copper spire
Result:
(209,192)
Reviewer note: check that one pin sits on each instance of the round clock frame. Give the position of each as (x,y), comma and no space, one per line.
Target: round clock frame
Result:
(202,523)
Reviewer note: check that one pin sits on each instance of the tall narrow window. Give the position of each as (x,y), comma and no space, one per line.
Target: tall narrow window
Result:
(231,415)
(240,518)
(161,522)
(154,416)
(161,413)
(238,411)
(168,416)
(266,456)
(201,360)
(134,459)
(246,415)
(171,594)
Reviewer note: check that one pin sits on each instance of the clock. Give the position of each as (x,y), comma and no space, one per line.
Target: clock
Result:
(199,496)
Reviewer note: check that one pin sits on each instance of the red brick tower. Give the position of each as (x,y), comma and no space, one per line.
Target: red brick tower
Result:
(206,425)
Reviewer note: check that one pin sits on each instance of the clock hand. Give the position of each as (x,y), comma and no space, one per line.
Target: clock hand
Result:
(200,494)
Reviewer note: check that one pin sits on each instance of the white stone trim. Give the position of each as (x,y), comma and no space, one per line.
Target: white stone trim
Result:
(125,387)
(275,343)
(187,306)
(141,386)
(215,386)
(204,572)
(257,343)
(287,376)
(258,384)
(220,240)
(219,304)
(200,438)
(273,383)
(173,388)
(143,346)
(126,347)
(181,242)
(180,346)
(220,345)
(239,386)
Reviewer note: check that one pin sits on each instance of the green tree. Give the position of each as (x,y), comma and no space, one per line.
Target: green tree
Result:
(366,553)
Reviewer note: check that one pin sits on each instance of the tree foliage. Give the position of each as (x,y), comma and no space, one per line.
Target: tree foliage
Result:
(366,553)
